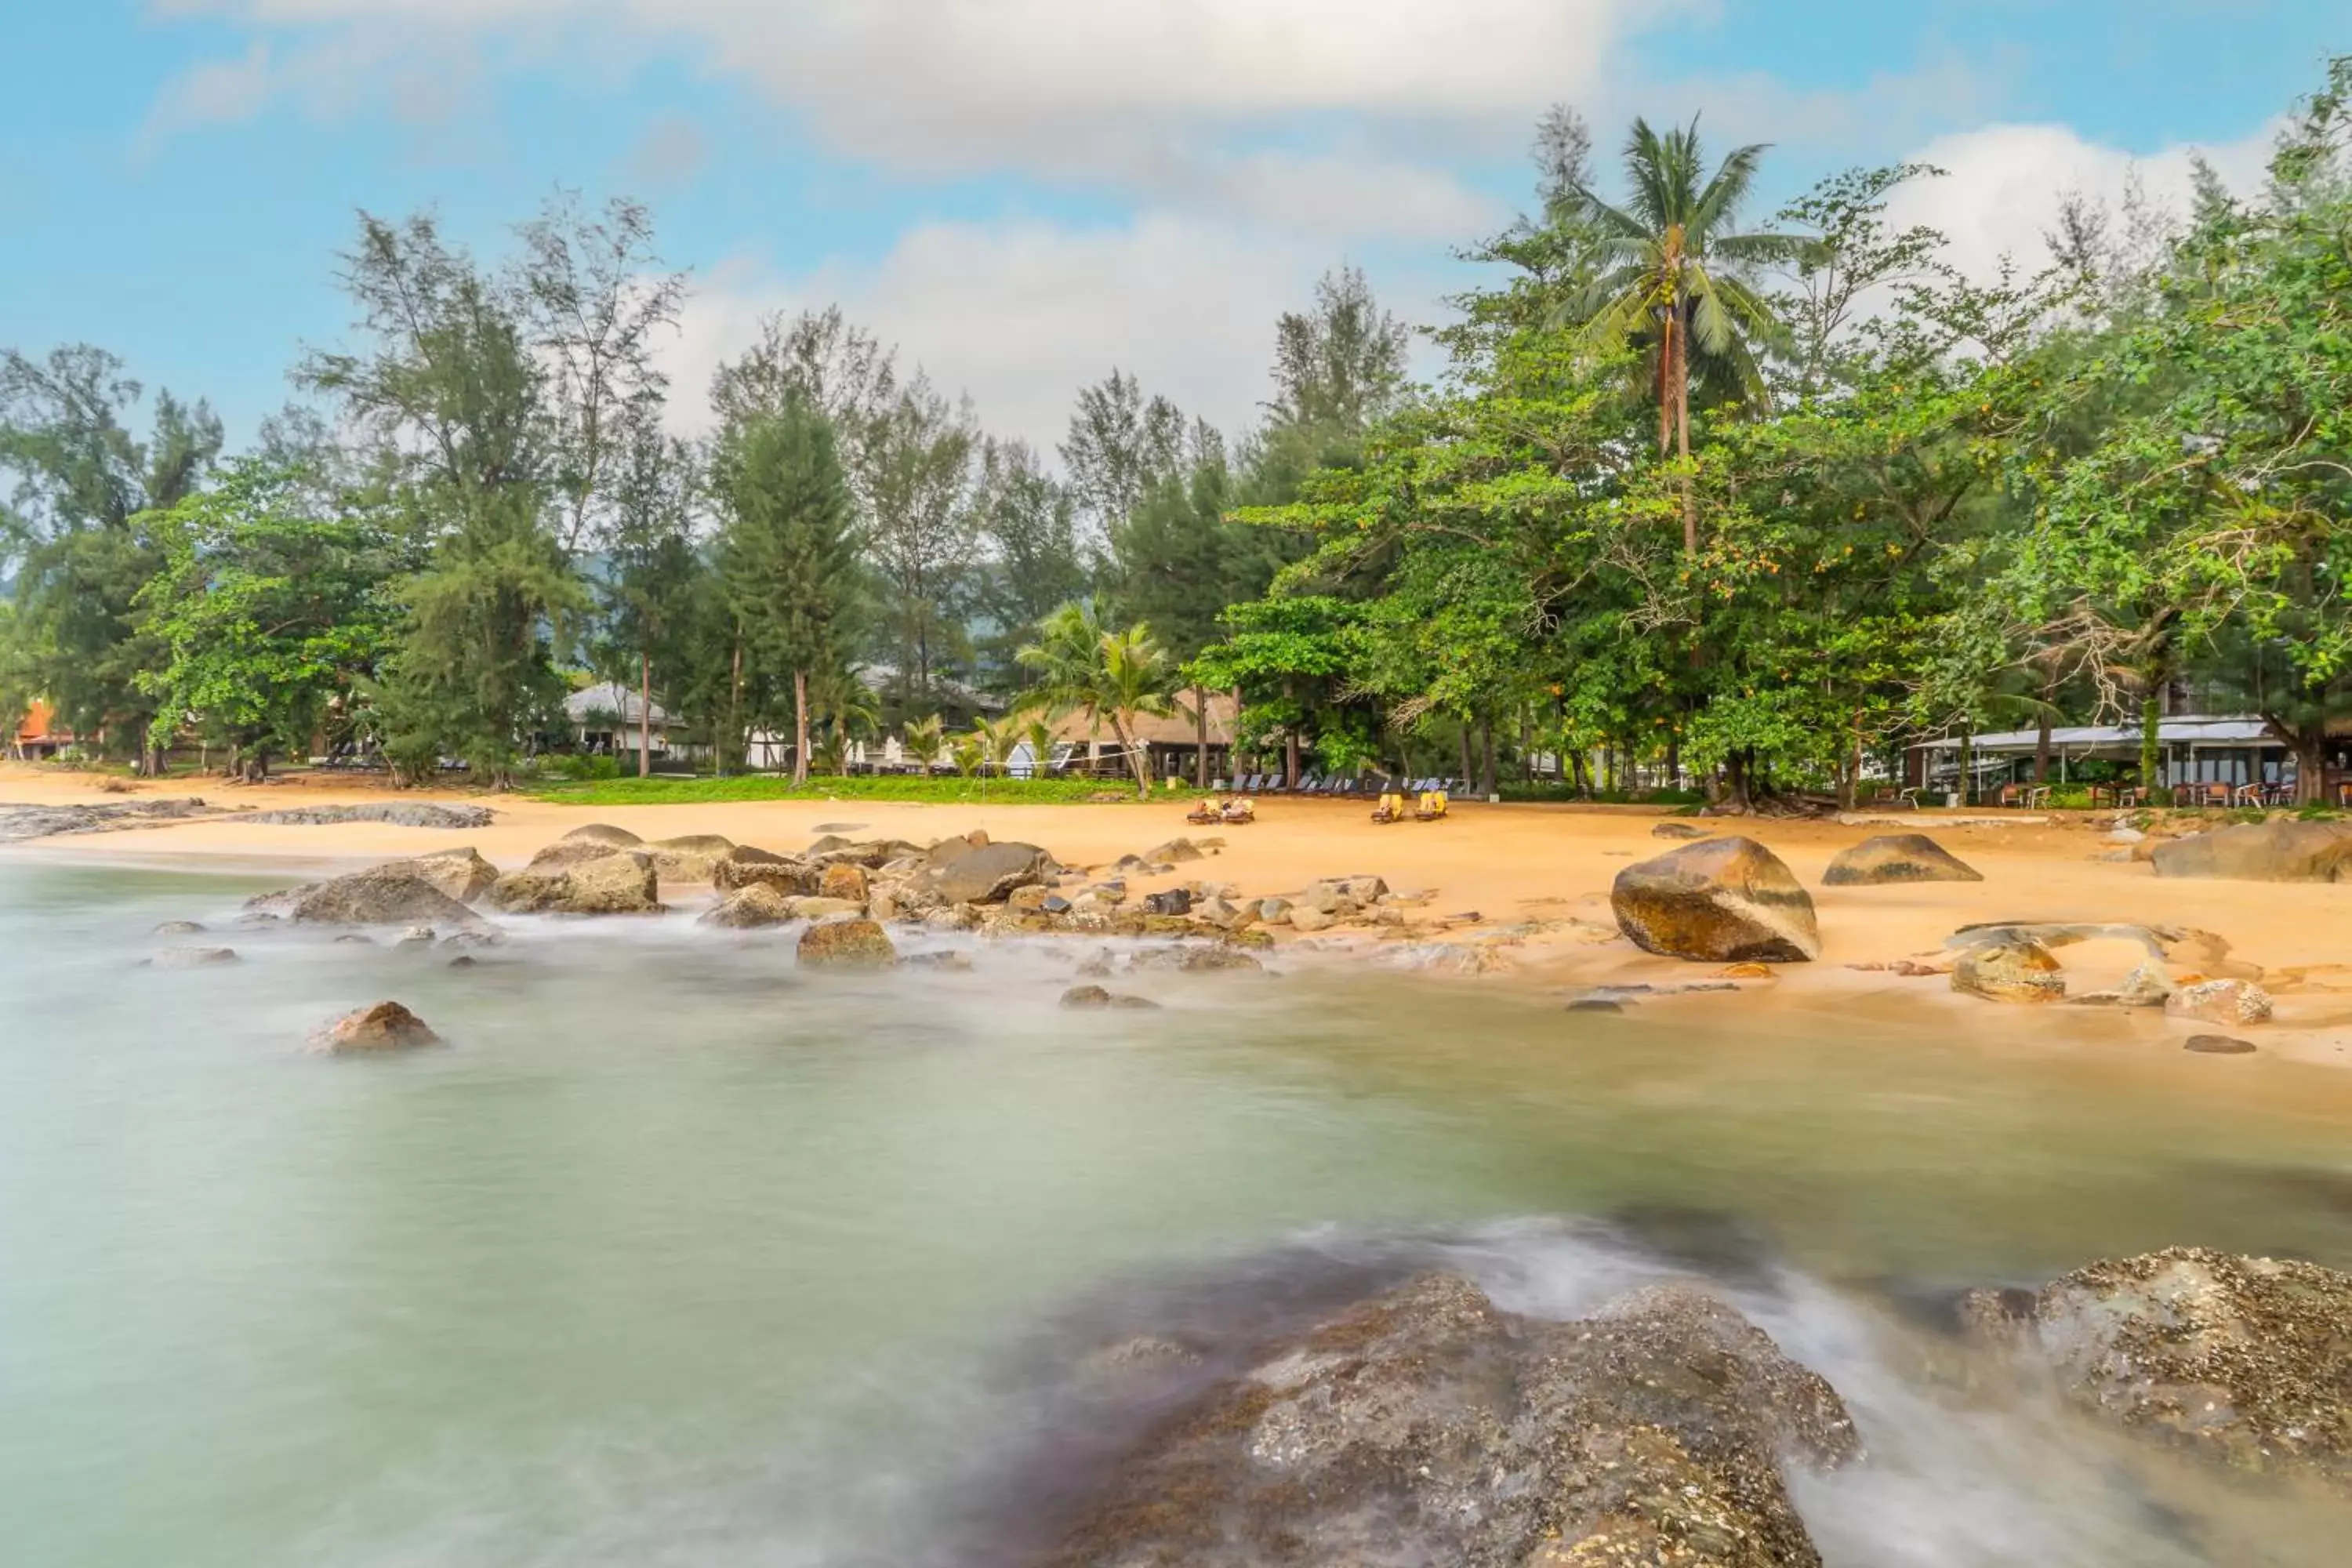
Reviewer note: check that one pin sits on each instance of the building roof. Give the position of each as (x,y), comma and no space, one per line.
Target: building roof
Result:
(2189,730)
(39,723)
(1179,728)
(611,699)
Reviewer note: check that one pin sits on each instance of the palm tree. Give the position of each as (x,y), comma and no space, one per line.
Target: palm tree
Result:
(924,740)
(1038,734)
(997,738)
(1670,277)
(1106,675)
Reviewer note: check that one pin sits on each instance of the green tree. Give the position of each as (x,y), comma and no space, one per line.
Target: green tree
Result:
(655,572)
(271,618)
(787,556)
(1107,676)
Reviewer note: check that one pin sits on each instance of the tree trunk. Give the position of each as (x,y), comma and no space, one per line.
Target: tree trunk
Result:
(1674,761)
(1967,763)
(1487,782)
(645,713)
(1469,763)
(800,729)
(2151,743)
(1200,734)
(2042,748)
(1736,780)
(734,704)
(1290,759)
(2308,743)
(1139,762)
(1579,776)
(1682,438)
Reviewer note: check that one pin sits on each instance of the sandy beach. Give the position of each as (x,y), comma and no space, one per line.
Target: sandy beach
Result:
(1545,871)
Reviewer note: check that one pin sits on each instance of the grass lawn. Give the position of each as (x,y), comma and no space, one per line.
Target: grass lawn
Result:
(945,790)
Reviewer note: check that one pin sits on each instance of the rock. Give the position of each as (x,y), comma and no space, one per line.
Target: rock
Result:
(956,918)
(846,944)
(179,928)
(1427,1427)
(1274,912)
(2017,971)
(386,1026)
(825,908)
(1174,902)
(1309,921)
(466,941)
(1225,914)
(1720,901)
(1055,904)
(20,822)
(692,858)
(1195,958)
(1750,972)
(606,833)
(755,908)
(2220,1002)
(986,875)
(1897,857)
(950,962)
(460,874)
(2145,986)
(391,894)
(1596,1004)
(743,866)
(2127,835)
(415,936)
(1085,999)
(1677,830)
(2282,850)
(614,884)
(2218,1046)
(464,961)
(2247,1360)
(354,939)
(1175,852)
(195,957)
(844,881)
(1353,892)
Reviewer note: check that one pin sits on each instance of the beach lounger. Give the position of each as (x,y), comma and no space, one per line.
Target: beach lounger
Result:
(1433,806)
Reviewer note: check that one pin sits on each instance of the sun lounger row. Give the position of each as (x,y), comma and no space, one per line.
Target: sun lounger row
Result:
(1343,787)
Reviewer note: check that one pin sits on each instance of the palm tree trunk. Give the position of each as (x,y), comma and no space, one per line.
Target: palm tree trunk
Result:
(645,714)
(1201,733)
(800,728)
(1138,762)
(1682,438)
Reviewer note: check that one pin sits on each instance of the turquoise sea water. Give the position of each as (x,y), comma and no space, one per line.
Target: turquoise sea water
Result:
(673,1255)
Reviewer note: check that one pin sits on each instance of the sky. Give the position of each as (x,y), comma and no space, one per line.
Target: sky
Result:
(1022,194)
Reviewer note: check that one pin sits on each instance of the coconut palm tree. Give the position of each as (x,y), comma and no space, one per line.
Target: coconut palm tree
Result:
(1669,279)
(1108,675)
(924,740)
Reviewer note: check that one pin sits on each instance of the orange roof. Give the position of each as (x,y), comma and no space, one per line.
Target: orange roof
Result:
(37,722)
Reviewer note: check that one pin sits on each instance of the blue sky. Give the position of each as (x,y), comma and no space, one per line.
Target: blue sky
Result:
(1021,193)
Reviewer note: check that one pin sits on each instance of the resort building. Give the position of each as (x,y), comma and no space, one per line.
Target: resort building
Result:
(2237,754)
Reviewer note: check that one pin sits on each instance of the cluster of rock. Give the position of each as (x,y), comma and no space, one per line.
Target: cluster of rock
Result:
(19,824)
(1423,1424)
(2279,849)
(2188,974)
(396,813)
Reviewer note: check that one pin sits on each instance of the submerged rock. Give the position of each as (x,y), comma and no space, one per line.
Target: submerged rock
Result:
(2282,850)
(755,908)
(1427,1427)
(400,893)
(2218,1046)
(195,957)
(385,1026)
(1720,901)
(2248,1360)
(846,944)
(1895,858)
(2019,970)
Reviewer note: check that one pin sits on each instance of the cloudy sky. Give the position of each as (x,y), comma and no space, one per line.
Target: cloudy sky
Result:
(1021,193)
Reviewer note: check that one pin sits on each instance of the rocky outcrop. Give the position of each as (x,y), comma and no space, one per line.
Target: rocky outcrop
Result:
(2282,850)
(755,908)
(385,1026)
(2248,1360)
(1427,1427)
(397,814)
(846,944)
(461,874)
(988,875)
(21,822)
(623,883)
(690,857)
(1897,857)
(1720,901)
(2018,969)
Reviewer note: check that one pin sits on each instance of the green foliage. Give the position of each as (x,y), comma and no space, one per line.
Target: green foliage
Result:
(942,790)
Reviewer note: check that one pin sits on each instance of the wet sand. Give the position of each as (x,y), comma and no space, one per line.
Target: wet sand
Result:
(1510,864)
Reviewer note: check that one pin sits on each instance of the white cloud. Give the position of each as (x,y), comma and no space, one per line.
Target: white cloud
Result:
(1021,316)
(2006,184)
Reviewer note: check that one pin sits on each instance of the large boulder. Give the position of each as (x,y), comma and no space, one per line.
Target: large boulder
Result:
(1897,857)
(462,874)
(744,867)
(614,884)
(2020,970)
(2282,850)
(690,857)
(2219,1002)
(984,876)
(1427,1427)
(385,1026)
(1719,900)
(391,895)
(846,944)
(844,880)
(2246,1359)
(606,833)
